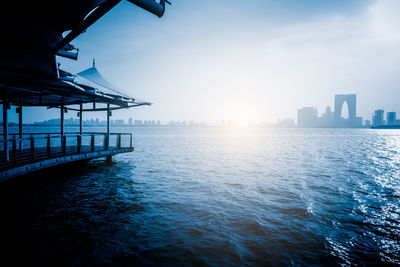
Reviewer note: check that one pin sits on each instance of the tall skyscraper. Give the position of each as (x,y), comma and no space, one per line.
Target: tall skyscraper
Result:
(377,118)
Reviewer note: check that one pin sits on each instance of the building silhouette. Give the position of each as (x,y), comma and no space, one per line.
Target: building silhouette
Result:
(351,100)
(391,118)
(377,118)
(307,117)
(327,118)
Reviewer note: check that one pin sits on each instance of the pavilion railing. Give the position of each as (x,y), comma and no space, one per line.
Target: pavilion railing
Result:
(37,146)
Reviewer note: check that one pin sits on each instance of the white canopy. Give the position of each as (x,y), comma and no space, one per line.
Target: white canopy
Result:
(91,77)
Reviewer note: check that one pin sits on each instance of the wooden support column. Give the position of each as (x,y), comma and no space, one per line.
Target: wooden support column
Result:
(92,143)
(62,118)
(32,147)
(5,129)
(20,126)
(107,137)
(108,119)
(119,141)
(5,120)
(63,141)
(49,145)
(80,118)
(79,137)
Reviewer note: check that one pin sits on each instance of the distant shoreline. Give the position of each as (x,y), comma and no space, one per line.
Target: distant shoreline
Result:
(386,127)
(206,126)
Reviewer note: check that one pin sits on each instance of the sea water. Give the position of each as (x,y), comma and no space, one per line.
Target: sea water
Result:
(215,196)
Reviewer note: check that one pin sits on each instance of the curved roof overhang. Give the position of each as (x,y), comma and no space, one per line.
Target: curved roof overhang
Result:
(53,93)
(32,36)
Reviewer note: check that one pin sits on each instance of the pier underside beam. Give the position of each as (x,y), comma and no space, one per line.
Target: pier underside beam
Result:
(46,163)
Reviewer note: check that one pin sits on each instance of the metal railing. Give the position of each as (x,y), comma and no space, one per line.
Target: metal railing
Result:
(38,146)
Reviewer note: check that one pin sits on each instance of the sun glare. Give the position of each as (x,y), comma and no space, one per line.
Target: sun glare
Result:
(242,121)
(240,111)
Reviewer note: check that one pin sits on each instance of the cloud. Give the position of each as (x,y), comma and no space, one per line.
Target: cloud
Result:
(385,21)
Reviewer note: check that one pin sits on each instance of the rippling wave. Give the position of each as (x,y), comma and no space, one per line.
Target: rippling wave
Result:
(216,196)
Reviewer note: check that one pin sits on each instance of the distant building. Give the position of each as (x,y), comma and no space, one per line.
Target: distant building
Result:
(138,122)
(286,123)
(367,123)
(351,100)
(391,118)
(377,118)
(130,122)
(327,118)
(119,122)
(307,117)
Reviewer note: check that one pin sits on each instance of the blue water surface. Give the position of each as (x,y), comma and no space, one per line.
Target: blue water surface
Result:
(215,196)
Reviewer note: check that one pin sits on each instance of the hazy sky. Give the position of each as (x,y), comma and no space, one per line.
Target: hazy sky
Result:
(253,60)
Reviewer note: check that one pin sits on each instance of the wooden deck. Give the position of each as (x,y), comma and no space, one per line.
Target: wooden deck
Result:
(20,156)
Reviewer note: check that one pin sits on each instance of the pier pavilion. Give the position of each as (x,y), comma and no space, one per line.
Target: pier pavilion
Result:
(30,76)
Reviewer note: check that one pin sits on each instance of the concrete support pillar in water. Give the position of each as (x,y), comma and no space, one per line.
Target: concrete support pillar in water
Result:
(109,160)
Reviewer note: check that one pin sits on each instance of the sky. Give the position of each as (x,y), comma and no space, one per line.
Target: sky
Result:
(253,61)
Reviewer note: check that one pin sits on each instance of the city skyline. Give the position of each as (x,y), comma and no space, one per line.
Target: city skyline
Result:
(345,104)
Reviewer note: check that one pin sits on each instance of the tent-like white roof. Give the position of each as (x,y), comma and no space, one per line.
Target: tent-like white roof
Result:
(92,78)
